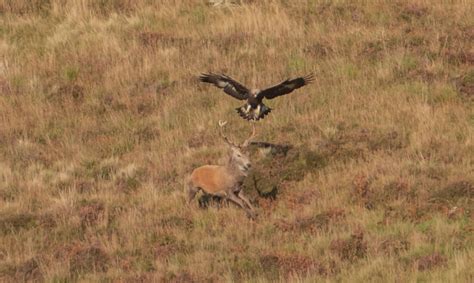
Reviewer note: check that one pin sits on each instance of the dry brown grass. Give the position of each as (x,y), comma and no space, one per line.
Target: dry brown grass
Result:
(102,117)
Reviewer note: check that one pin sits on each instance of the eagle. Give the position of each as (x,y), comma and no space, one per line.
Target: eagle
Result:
(254,109)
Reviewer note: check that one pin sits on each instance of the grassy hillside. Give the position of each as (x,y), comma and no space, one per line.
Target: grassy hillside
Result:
(102,118)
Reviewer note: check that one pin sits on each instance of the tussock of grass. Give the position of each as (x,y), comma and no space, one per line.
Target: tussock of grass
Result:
(365,175)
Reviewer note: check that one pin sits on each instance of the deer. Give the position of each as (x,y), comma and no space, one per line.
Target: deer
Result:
(225,180)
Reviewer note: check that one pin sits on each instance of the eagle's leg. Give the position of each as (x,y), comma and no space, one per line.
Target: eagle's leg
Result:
(248,108)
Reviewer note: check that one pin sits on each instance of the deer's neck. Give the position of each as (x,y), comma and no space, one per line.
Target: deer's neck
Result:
(235,170)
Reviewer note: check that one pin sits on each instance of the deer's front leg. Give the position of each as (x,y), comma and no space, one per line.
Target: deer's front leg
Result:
(232,197)
(241,195)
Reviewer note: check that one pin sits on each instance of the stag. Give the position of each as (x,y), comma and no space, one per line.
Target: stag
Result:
(225,180)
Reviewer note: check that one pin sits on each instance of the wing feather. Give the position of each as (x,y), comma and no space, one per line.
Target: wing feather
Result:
(285,87)
(229,85)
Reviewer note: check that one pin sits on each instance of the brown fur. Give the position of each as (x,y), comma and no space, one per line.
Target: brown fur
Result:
(224,180)
(212,178)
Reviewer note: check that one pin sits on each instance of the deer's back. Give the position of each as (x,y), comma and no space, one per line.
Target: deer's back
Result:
(212,178)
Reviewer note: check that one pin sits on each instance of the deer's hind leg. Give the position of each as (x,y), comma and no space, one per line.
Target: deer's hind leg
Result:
(192,190)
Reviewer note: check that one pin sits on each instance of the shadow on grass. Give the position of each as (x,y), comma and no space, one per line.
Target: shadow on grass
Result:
(276,164)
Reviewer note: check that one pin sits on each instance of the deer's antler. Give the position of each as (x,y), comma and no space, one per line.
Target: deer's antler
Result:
(247,141)
(226,139)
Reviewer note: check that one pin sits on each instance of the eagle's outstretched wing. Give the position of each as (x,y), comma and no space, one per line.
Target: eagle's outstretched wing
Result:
(230,86)
(285,87)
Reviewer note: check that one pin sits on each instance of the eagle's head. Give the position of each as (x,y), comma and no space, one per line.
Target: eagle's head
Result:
(254,92)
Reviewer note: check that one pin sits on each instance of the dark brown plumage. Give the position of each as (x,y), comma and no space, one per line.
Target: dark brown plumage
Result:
(254,109)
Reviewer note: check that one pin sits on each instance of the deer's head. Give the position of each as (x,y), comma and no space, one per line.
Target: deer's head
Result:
(238,157)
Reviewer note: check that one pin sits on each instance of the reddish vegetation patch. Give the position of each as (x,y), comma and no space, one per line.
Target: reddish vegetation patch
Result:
(125,184)
(91,213)
(225,42)
(361,185)
(166,245)
(429,262)
(351,249)
(424,75)
(314,223)
(465,84)
(399,199)
(5,87)
(454,212)
(303,198)
(181,277)
(84,186)
(198,140)
(292,264)
(69,91)
(143,277)
(266,204)
(48,221)
(230,41)
(396,190)
(318,49)
(83,257)
(73,90)
(24,7)
(361,191)
(458,194)
(157,39)
(457,45)
(163,251)
(413,11)
(373,49)
(461,56)
(15,222)
(406,212)
(88,258)
(177,222)
(29,271)
(393,246)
